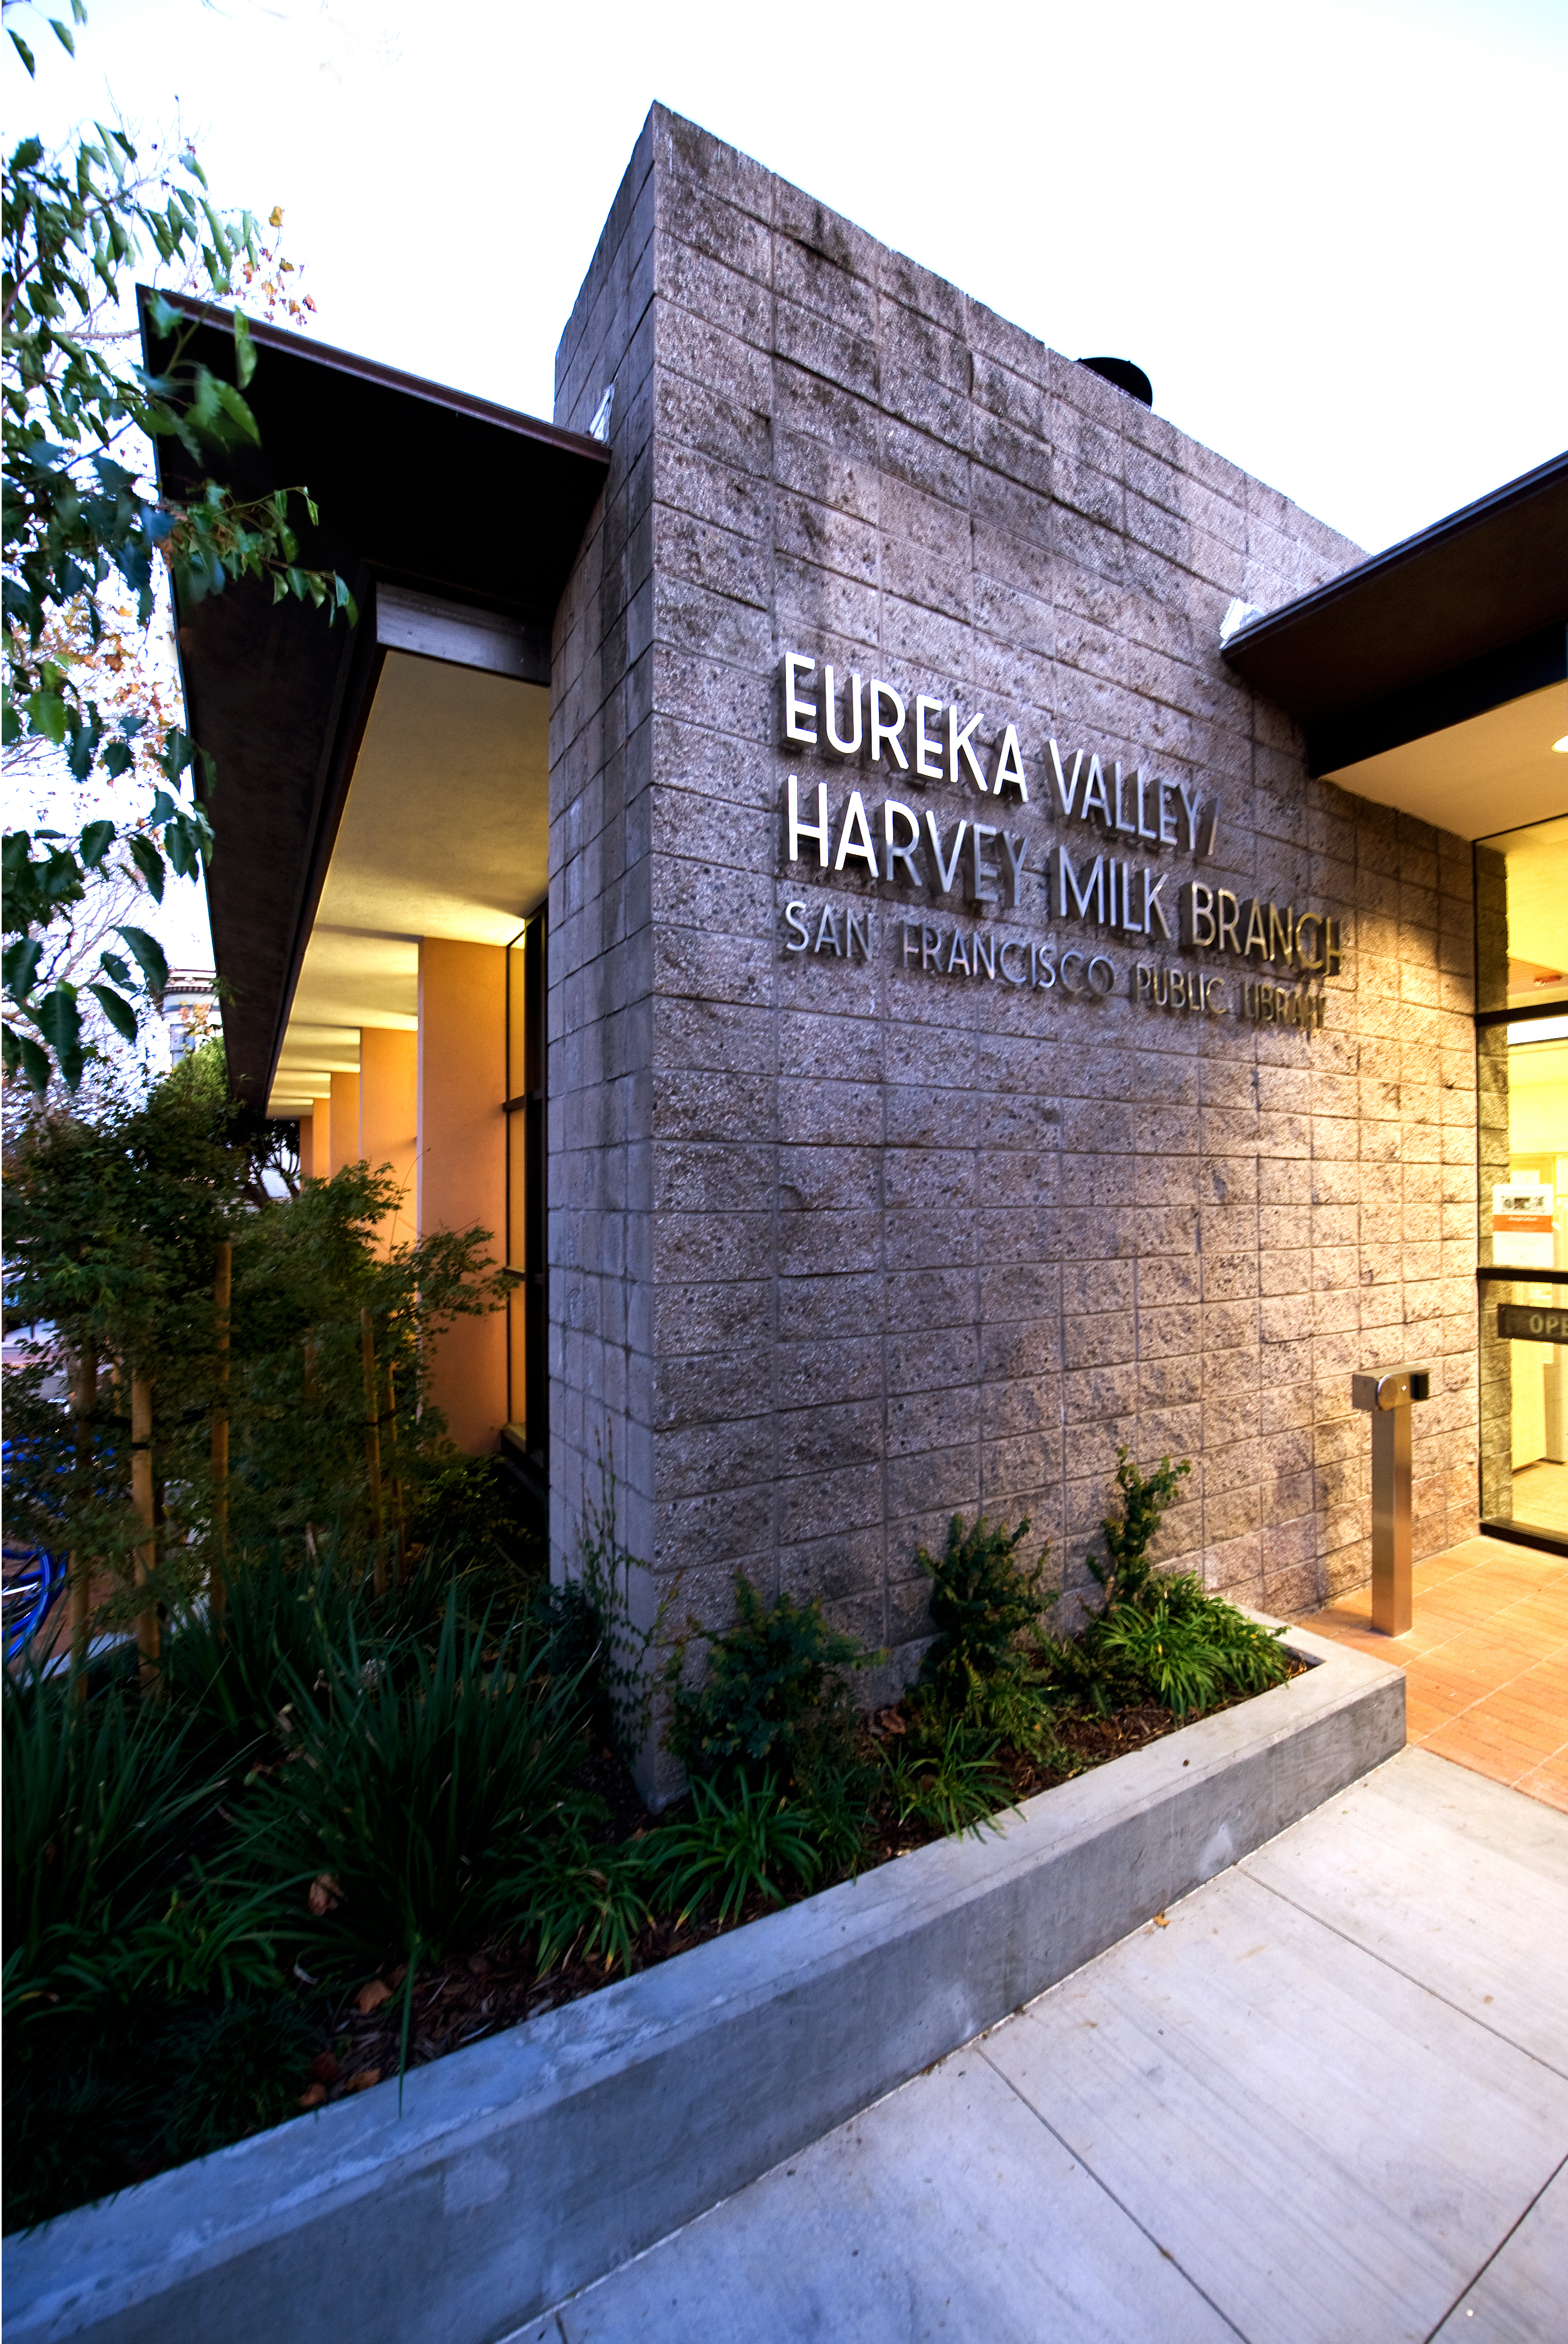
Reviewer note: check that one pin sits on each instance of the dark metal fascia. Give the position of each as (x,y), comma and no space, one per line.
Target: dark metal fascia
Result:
(1452,696)
(1377,566)
(363,369)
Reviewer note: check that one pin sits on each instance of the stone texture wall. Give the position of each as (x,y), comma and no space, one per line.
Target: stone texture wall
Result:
(837,1250)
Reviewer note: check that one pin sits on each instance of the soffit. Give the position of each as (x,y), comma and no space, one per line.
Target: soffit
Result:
(452,500)
(1492,773)
(445,832)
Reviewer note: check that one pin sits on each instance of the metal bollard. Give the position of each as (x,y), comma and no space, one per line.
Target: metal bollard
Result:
(1387,1394)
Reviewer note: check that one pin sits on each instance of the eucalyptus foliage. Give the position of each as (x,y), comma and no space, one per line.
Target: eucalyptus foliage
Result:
(78,416)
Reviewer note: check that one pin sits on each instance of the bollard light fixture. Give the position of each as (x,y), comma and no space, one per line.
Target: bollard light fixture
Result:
(1388,1395)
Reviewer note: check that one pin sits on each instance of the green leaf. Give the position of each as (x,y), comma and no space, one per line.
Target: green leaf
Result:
(164,317)
(64,36)
(238,413)
(35,1062)
(117,1010)
(244,349)
(59,1021)
(97,839)
(26,54)
(113,967)
(148,862)
(20,966)
(47,713)
(147,953)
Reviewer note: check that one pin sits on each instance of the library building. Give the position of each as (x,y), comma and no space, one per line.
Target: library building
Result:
(945,929)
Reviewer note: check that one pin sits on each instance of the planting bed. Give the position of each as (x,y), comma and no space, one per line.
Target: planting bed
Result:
(461,2002)
(500,2179)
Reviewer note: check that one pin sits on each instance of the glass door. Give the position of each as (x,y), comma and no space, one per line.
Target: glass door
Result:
(1522,1049)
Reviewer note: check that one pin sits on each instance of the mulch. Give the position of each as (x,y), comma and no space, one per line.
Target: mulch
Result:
(463,2000)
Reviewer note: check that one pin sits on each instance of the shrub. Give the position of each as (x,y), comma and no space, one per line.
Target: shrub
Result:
(947,1779)
(773,1703)
(100,1809)
(414,1790)
(579,1897)
(983,1604)
(741,1840)
(1126,1575)
(146,2015)
(1157,1636)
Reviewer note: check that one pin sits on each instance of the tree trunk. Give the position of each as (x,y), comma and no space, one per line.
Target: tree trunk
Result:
(84,1403)
(222,1289)
(397,1522)
(373,1447)
(144,1500)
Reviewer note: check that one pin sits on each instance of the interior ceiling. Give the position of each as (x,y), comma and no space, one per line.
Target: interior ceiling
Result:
(445,832)
(1537,865)
(1492,772)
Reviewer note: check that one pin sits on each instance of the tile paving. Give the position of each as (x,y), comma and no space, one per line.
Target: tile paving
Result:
(1486,1662)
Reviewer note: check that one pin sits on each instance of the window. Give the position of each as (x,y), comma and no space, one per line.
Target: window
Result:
(527,1308)
(1522,1049)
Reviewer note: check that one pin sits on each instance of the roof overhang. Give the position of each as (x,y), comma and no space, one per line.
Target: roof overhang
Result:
(1468,617)
(455,521)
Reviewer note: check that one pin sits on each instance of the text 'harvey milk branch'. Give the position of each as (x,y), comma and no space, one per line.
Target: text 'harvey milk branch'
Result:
(985,863)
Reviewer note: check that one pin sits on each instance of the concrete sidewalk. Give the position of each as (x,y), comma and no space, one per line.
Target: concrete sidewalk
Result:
(1327,2102)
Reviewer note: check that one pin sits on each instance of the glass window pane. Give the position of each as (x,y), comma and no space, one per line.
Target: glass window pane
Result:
(1521,909)
(1522,916)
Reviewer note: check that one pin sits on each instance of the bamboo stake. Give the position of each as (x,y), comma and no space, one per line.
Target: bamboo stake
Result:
(397,1479)
(374,1446)
(84,1403)
(144,1502)
(222,1291)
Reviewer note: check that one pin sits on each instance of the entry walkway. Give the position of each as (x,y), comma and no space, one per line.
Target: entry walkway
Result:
(1326,2103)
(1486,1663)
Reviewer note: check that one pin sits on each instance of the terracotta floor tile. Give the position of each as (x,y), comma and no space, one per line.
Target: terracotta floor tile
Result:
(1486,1663)
(1486,1746)
(1479,1763)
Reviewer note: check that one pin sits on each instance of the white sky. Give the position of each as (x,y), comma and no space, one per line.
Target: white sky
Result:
(1331,234)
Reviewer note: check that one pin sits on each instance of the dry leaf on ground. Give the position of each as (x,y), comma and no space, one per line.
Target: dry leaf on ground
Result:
(370,1997)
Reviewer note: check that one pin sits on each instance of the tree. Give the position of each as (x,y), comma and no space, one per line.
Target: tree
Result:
(319,1363)
(87,538)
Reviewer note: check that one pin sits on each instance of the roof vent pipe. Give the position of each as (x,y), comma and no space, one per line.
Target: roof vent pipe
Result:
(1126,377)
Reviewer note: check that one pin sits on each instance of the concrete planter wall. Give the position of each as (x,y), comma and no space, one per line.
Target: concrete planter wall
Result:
(524,2167)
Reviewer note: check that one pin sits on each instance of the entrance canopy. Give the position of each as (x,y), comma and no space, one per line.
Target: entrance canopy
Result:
(1432,678)
(385,782)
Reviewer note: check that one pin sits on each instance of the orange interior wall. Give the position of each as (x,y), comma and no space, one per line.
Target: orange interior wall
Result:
(321,1140)
(461,1161)
(344,1120)
(389,1118)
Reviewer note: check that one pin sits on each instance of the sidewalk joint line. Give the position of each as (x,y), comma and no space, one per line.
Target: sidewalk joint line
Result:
(1100,2182)
(1496,2250)
(1419,1984)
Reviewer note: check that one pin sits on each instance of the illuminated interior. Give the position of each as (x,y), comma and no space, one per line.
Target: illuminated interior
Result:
(418,981)
(1522,963)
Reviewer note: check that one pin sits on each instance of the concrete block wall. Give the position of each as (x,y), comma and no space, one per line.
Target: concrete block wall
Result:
(873,1249)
